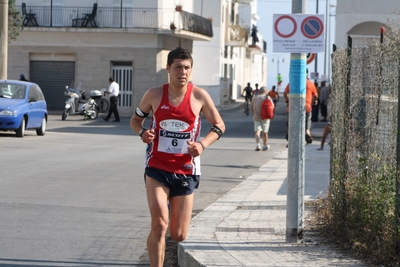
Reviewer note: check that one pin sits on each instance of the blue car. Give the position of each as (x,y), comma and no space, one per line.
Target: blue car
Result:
(22,107)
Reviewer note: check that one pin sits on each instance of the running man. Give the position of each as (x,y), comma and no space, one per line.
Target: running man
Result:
(172,167)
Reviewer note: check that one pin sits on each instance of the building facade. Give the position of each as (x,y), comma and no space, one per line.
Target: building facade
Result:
(82,43)
(363,19)
(232,59)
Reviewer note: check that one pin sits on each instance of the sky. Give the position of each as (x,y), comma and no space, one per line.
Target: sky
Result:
(265,10)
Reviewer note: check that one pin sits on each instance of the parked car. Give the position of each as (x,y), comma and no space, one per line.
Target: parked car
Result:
(22,107)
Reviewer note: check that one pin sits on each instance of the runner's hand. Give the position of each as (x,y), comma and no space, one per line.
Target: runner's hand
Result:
(194,148)
(148,136)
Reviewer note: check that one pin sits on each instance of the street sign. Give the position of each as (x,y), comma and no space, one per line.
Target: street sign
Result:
(310,57)
(298,33)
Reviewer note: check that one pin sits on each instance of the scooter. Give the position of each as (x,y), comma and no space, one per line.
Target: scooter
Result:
(87,109)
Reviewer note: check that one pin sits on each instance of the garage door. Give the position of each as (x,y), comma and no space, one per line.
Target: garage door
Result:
(52,77)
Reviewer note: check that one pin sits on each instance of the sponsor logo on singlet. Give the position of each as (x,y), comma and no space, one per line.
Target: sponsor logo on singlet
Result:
(187,166)
(174,125)
(164,107)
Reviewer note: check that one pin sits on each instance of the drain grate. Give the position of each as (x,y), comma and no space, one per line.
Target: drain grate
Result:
(236,229)
(267,207)
(262,207)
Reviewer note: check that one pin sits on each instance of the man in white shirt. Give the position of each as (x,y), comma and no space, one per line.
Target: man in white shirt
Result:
(113,91)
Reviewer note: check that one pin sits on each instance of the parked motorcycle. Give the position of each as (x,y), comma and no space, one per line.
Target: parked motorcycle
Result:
(102,103)
(88,109)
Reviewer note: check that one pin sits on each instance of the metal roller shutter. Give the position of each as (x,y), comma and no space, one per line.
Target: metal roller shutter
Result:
(52,77)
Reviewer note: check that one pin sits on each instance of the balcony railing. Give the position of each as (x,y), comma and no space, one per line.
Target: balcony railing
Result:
(236,35)
(109,17)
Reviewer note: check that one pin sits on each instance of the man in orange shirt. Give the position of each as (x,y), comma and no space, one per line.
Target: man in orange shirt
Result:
(311,98)
(274,96)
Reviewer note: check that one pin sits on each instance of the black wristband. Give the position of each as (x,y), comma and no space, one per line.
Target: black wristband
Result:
(202,145)
(142,131)
(216,130)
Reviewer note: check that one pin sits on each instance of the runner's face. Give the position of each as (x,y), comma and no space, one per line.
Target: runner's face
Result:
(180,71)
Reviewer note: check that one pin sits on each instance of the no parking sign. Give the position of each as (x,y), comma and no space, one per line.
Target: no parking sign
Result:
(298,33)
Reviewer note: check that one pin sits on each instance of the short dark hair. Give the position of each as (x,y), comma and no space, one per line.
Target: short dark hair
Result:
(179,53)
(111,79)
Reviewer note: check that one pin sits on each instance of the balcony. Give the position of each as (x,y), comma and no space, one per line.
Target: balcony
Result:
(236,36)
(168,21)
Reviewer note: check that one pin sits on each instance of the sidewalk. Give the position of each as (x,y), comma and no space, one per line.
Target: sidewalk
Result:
(247,226)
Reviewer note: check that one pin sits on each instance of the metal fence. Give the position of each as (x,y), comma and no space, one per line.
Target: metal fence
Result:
(113,17)
(365,145)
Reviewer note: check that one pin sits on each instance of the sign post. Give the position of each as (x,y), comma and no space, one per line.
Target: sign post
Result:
(299,34)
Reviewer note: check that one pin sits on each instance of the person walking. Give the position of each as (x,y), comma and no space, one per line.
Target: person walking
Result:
(248,96)
(248,92)
(113,91)
(315,105)
(327,131)
(260,125)
(311,98)
(256,89)
(172,166)
(274,96)
(323,100)
(279,81)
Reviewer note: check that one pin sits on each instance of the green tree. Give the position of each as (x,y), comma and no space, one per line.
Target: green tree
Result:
(14,21)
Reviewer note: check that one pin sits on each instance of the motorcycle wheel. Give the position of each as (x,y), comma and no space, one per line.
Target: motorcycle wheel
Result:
(93,113)
(65,114)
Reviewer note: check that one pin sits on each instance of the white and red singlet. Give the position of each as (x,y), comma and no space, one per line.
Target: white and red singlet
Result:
(173,127)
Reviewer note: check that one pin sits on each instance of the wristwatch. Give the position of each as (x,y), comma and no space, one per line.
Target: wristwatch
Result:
(142,131)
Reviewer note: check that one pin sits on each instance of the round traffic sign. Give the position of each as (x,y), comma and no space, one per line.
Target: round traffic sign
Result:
(285,24)
(310,57)
(312,27)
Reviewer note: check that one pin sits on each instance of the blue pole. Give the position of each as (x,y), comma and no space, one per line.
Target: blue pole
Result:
(296,139)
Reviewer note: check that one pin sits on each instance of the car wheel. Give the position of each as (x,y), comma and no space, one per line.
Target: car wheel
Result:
(42,129)
(20,132)
(93,114)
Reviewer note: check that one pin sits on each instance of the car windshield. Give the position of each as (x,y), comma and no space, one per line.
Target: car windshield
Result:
(15,91)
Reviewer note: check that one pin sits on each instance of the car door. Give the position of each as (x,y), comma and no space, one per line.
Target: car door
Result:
(35,113)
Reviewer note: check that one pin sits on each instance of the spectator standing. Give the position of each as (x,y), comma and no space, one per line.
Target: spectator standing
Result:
(22,78)
(260,125)
(113,91)
(323,100)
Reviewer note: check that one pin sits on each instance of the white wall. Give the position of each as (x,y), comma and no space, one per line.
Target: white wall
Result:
(350,13)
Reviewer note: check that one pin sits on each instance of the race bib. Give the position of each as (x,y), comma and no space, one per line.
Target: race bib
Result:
(173,142)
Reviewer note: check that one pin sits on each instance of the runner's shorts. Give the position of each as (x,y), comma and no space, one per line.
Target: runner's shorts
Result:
(179,184)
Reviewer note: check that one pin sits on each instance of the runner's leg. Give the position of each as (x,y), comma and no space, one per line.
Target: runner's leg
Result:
(181,213)
(157,198)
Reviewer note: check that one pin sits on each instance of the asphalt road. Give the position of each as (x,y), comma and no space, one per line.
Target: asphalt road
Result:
(76,197)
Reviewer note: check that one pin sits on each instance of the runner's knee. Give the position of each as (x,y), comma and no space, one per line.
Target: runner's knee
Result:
(178,235)
(159,228)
